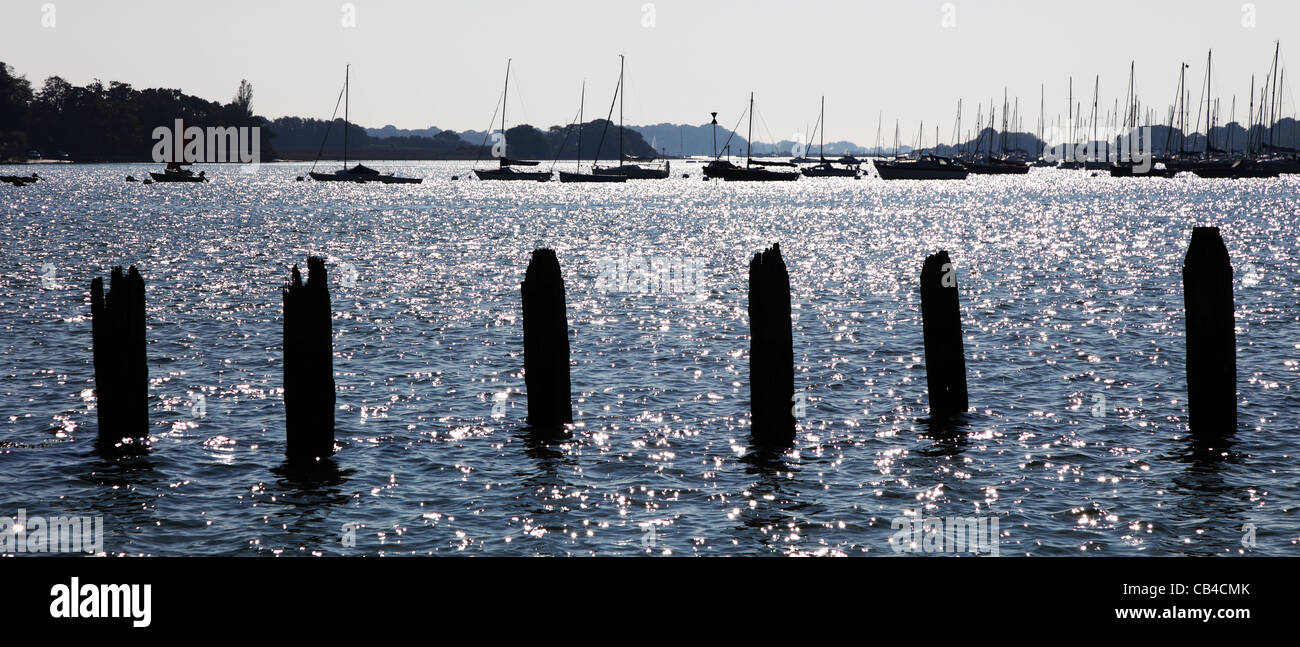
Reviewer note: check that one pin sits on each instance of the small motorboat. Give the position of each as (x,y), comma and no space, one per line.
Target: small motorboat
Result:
(19,180)
(994,165)
(926,167)
(565,176)
(509,173)
(176,172)
(827,169)
(636,171)
(1241,168)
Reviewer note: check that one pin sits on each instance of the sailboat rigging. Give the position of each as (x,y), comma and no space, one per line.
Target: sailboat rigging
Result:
(750,172)
(578,175)
(825,168)
(630,171)
(359,174)
(505,170)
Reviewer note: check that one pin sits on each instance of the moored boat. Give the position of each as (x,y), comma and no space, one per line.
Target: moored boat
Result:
(824,168)
(19,180)
(752,171)
(505,170)
(358,174)
(176,172)
(579,176)
(634,171)
(926,167)
(362,174)
(1242,168)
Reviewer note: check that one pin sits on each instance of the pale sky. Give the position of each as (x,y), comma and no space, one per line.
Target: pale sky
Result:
(441,62)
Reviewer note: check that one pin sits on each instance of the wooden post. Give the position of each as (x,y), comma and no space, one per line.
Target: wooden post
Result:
(771,350)
(546,342)
(308,365)
(945,358)
(121,374)
(1211,335)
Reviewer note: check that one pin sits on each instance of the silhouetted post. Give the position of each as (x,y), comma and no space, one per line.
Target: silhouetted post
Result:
(308,365)
(121,374)
(945,358)
(771,349)
(1211,335)
(546,341)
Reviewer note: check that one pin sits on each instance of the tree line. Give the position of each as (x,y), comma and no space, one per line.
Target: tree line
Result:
(115,123)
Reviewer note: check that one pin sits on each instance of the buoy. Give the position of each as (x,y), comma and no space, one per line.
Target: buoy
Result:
(455,177)
(130,178)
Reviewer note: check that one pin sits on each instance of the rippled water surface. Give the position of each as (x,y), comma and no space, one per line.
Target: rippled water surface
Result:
(1070,287)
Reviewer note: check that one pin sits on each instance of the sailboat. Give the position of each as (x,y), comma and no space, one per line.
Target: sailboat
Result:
(579,176)
(1283,159)
(996,164)
(630,171)
(359,173)
(825,168)
(505,170)
(1129,167)
(749,172)
(176,172)
(1041,161)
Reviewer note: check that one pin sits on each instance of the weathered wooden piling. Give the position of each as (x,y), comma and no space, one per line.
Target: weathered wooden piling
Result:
(308,365)
(1211,335)
(945,358)
(546,342)
(121,374)
(771,350)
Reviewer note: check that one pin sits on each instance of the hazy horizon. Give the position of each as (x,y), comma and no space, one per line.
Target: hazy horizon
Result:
(417,64)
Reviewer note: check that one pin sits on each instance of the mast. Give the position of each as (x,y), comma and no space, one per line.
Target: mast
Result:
(1272,112)
(621,91)
(1130,119)
(1250,119)
(505,96)
(347,99)
(1096,90)
(1182,103)
(821,146)
(1042,115)
(1234,121)
(582,103)
(992,116)
(880,119)
(956,137)
(1209,69)
(749,143)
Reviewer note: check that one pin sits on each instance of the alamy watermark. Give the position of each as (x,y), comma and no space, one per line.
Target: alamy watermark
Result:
(917,534)
(634,273)
(24,534)
(48,279)
(1119,146)
(211,145)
